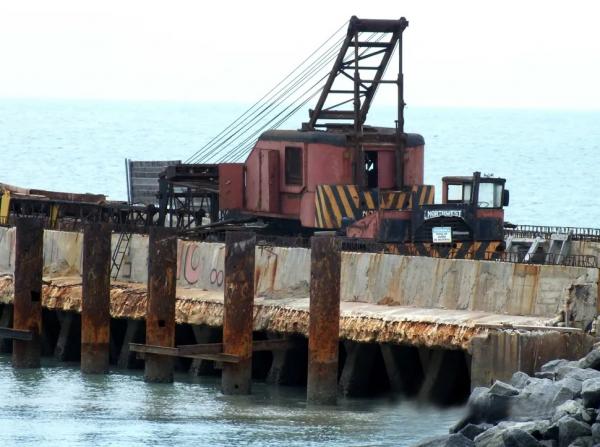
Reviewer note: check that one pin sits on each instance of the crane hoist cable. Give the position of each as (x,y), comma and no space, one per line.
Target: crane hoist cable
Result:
(242,148)
(282,97)
(282,94)
(274,88)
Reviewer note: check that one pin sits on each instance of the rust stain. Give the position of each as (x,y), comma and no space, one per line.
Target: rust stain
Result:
(386,301)
(129,301)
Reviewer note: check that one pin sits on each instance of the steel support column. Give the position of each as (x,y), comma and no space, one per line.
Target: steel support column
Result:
(324,320)
(238,314)
(29,263)
(95,298)
(160,310)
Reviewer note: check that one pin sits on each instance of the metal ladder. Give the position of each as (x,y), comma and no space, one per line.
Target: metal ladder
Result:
(558,248)
(119,254)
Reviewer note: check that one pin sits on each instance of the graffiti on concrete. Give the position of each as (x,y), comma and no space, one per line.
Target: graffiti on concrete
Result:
(200,265)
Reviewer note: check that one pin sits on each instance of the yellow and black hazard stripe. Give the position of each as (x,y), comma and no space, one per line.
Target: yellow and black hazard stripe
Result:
(460,250)
(4,207)
(404,200)
(334,202)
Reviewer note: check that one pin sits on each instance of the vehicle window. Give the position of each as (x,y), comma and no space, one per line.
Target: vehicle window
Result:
(467,187)
(490,195)
(293,165)
(498,195)
(455,193)
(459,193)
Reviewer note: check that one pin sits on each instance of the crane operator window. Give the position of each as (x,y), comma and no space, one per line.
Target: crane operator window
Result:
(459,192)
(293,165)
(490,195)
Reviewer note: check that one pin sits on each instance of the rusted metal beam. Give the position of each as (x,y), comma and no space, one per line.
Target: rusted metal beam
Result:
(324,320)
(223,358)
(257,346)
(201,348)
(29,263)
(154,349)
(209,351)
(160,310)
(175,352)
(238,312)
(95,298)
(15,334)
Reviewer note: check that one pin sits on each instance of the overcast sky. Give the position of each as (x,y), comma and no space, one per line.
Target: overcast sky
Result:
(457,53)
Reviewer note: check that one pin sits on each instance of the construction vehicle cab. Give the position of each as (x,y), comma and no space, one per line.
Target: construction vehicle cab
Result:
(486,191)
(471,210)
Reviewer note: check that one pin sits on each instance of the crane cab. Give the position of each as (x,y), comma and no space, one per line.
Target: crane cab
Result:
(485,192)
(472,209)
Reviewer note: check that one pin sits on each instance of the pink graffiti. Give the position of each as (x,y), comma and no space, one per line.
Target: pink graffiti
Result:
(216,277)
(191,272)
(191,267)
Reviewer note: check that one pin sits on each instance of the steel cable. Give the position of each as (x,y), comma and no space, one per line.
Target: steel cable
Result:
(283,96)
(241,148)
(272,89)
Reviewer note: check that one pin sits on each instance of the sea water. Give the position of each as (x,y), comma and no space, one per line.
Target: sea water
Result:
(57,405)
(549,158)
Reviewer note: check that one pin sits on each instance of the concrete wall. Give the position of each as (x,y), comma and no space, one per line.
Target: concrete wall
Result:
(497,355)
(7,250)
(498,287)
(282,272)
(200,265)
(585,248)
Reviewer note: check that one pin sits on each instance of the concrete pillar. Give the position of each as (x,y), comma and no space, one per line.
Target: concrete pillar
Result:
(276,374)
(356,373)
(431,363)
(289,365)
(6,321)
(29,264)
(403,368)
(324,320)
(132,335)
(95,299)
(62,342)
(160,310)
(236,378)
(202,334)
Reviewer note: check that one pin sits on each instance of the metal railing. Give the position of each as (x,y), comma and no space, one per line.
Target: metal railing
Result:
(545,232)
(434,251)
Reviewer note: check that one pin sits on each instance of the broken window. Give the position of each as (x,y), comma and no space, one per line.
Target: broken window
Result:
(293,165)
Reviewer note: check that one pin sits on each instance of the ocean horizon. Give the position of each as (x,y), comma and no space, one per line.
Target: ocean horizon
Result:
(548,156)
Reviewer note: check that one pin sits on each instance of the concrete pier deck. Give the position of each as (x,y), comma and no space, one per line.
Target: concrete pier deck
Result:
(481,319)
(360,322)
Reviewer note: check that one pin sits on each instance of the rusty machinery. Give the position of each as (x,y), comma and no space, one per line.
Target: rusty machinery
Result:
(337,173)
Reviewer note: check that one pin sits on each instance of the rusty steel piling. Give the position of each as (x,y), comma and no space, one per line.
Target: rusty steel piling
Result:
(95,298)
(238,313)
(160,310)
(324,320)
(29,264)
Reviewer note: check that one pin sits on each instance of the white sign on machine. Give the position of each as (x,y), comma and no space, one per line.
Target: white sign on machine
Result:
(441,235)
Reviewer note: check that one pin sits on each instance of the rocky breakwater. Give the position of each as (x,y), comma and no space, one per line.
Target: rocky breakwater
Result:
(558,407)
